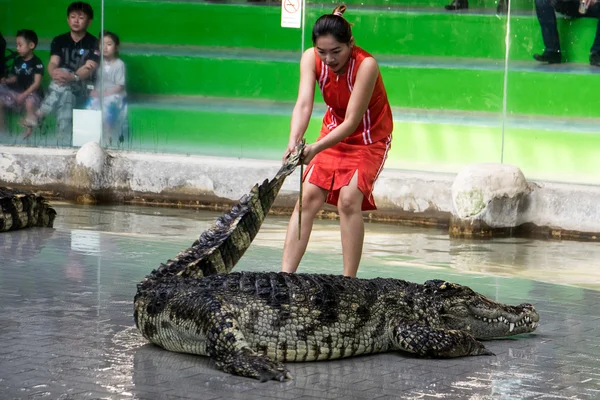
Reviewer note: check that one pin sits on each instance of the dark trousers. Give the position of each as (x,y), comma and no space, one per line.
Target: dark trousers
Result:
(545,12)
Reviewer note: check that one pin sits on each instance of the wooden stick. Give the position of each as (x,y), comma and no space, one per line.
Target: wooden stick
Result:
(300,199)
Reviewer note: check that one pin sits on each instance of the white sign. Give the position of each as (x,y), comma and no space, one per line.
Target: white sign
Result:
(87,126)
(291,13)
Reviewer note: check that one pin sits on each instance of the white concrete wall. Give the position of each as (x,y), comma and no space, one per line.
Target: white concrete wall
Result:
(124,175)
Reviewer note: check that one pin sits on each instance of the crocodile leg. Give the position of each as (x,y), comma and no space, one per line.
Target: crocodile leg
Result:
(245,362)
(429,342)
(232,354)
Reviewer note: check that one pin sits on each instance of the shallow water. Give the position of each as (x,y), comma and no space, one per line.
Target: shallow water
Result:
(130,233)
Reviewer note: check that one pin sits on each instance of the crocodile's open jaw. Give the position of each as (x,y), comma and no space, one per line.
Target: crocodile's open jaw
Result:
(486,323)
(464,309)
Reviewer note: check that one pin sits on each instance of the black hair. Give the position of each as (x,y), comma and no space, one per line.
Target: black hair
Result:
(81,6)
(114,38)
(333,24)
(29,35)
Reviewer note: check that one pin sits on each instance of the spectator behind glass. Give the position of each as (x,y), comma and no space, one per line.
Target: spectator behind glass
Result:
(112,88)
(23,87)
(502,7)
(74,57)
(545,10)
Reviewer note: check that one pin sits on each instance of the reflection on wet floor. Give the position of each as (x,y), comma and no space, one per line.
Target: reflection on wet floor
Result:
(67,331)
(561,262)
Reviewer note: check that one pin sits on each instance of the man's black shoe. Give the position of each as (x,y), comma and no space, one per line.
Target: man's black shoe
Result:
(550,57)
(457,5)
(595,59)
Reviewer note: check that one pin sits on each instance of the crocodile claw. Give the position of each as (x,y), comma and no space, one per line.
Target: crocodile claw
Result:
(256,366)
(486,352)
(270,369)
(481,350)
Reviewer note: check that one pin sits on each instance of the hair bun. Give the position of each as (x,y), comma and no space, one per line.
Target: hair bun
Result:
(339,10)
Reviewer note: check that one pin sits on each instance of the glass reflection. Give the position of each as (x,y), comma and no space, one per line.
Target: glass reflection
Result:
(220,78)
(551,123)
(46,75)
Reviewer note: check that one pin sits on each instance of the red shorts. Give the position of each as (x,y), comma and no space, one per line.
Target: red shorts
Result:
(334,167)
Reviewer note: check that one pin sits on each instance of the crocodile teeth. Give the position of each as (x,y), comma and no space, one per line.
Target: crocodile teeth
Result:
(511,327)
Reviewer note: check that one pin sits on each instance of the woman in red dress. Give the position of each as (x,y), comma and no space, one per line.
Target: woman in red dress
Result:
(346,159)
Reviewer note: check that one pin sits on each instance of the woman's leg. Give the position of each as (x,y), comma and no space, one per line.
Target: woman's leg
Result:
(351,225)
(313,198)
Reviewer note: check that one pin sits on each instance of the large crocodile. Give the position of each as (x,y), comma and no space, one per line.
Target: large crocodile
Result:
(20,209)
(250,323)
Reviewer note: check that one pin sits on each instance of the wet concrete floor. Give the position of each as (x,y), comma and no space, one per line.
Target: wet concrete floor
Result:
(67,331)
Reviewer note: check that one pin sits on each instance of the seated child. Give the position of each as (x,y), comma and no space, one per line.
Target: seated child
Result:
(113,90)
(23,88)
(74,57)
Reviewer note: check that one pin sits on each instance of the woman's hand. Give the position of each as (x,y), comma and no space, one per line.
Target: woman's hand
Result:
(310,151)
(290,150)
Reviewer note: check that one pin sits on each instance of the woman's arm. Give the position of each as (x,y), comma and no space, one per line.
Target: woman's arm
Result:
(304,103)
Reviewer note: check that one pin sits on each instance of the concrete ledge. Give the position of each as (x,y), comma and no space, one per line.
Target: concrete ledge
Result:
(552,210)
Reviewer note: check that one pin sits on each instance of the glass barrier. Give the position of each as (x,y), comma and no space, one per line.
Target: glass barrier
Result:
(442,68)
(205,77)
(551,124)
(220,78)
(48,71)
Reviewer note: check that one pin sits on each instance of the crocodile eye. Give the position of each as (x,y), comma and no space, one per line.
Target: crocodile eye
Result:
(459,309)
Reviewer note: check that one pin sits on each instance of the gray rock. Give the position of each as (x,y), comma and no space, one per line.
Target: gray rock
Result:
(488,200)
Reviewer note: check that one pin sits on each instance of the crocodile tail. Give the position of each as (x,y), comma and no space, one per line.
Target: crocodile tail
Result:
(19,209)
(221,246)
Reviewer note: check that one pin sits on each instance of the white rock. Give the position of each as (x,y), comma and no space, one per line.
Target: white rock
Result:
(489,192)
(92,156)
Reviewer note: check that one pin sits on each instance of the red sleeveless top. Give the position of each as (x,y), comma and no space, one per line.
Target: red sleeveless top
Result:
(377,122)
